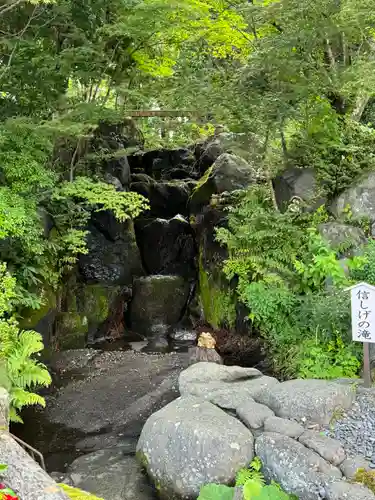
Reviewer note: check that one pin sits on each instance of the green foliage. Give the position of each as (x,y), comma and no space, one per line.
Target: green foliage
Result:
(367,271)
(77,494)
(21,372)
(327,360)
(290,281)
(216,492)
(365,477)
(218,302)
(253,486)
(102,196)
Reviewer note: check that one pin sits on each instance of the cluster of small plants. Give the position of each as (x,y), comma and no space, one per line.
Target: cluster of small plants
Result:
(253,486)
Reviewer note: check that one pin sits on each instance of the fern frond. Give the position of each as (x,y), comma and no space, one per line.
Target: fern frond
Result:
(32,374)
(244,475)
(30,342)
(14,417)
(20,397)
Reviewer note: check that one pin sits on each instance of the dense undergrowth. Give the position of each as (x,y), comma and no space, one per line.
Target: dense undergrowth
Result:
(293,285)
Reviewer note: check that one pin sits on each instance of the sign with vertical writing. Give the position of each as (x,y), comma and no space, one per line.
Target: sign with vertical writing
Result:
(363,312)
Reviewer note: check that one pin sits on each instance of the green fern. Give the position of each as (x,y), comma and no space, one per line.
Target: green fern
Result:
(20,372)
(77,494)
(252,473)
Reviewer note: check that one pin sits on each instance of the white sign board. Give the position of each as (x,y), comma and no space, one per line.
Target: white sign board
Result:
(363,312)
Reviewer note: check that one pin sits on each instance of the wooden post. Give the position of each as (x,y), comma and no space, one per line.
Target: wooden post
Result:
(366,365)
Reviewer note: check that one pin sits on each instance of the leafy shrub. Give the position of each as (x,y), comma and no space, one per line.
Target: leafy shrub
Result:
(253,486)
(20,373)
(291,282)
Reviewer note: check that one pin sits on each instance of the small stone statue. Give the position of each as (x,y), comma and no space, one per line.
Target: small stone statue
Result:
(205,350)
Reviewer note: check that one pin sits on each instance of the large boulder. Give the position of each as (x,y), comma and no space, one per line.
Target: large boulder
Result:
(111,474)
(174,240)
(360,198)
(246,146)
(157,300)
(215,383)
(343,237)
(311,400)
(228,173)
(166,198)
(113,257)
(296,468)
(191,442)
(162,163)
(296,182)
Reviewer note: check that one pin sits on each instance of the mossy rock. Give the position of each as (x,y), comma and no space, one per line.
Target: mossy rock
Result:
(71,330)
(30,318)
(96,301)
(217,300)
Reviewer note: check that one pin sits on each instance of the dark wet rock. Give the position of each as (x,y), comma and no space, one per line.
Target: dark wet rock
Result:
(157,300)
(296,468)
(228,173)
(111,179)
(167,246)
(313,400)
(112,475)
(183,335)
(118,168)
(113,256)
(103,402)
(296,182)
(190,443)
(167,198)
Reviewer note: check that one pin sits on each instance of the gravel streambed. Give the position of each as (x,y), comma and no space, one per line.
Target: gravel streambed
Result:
(355,428)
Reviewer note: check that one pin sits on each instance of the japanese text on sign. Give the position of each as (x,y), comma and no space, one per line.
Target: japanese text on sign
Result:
(363,313)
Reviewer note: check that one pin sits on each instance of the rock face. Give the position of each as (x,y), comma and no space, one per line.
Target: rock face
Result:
(346,491)
(103,401)
(191,442)
(167,198)
(158,300)
(295,182)
(360,197)
(226,386)
(113,256)
(314,400)
(174,241)
(228,173)
(24,475)
(328,448)
(283,426)
(296,468)
(110,474)
(339,235)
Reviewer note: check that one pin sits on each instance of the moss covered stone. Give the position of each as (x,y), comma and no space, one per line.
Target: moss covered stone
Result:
(71,330)
(96,301)
(217,301)
(30,318)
